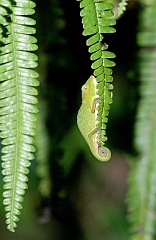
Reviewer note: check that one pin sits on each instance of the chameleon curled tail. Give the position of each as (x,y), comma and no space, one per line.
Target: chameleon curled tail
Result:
(104,153)
(87,120)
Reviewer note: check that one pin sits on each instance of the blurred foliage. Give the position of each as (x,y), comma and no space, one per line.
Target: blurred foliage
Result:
(86,201)
(142,191)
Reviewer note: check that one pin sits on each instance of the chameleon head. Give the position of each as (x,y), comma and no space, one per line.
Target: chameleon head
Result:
(89,89)
(104,153)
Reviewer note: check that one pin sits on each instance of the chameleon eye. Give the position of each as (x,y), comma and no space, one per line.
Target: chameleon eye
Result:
(84,88)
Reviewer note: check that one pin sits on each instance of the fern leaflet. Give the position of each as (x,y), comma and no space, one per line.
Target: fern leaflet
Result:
(17,99)
(122,7)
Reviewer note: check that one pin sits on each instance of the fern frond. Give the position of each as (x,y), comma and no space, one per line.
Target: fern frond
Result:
(142,190)
(17,99)
(96,19)
(122,7)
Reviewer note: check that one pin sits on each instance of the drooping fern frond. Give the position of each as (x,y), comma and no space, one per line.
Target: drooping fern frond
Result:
(97,20)
(142,190)
(122,7)
(17,99)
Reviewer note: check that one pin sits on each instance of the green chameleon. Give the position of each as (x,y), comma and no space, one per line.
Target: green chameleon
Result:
(87,120)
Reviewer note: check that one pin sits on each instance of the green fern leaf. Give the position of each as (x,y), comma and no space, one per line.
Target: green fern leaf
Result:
(17,99)
(97,19)
(122,7)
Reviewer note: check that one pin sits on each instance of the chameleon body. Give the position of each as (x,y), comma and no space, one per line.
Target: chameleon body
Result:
(87,120)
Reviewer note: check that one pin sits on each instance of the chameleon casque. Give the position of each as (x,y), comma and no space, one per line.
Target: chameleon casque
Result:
(87,120)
